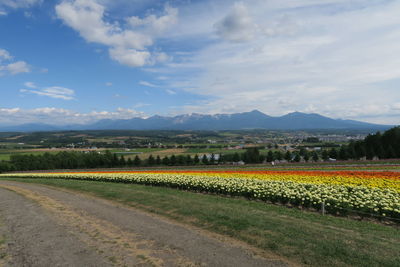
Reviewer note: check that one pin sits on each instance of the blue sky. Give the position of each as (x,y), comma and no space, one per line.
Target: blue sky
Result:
(78,61)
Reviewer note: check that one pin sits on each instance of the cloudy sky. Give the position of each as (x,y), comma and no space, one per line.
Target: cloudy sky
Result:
(77,61)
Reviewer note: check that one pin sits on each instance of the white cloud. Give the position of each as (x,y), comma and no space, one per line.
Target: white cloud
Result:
(140,105)
(148,84)
(8,66)
(237,26)
(30,85)
(128,44)
(14,4)
(296,55)
(153,24)
(17,67)
(170,92)
(53,92)
(130,57)
(109,84)
(60,116)
(4,55)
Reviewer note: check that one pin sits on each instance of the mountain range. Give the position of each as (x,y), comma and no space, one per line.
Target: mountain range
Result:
(238,121)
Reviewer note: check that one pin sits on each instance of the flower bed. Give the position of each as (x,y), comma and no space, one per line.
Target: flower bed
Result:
(375,193)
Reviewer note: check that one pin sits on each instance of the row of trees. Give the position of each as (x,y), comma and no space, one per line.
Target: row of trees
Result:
(386,145)
(382,146)
(79,160)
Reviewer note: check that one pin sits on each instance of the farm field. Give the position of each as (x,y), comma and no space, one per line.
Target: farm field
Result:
(143,153)
(6,154)
(336,192)
(277,209)
(293,236)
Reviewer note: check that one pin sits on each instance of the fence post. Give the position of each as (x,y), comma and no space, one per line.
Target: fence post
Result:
(323,207)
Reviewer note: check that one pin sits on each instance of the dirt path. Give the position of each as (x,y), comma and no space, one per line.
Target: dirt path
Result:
(49,227)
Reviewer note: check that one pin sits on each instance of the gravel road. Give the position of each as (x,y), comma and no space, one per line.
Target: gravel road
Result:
(44,226)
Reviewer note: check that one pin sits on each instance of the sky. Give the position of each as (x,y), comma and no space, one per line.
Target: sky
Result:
(79,61)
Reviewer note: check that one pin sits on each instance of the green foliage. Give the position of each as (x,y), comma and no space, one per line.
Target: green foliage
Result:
(172,160)
(196,159)
(386,145)
(158,160)
(315,156)
(150,160)
(270,156)
(165,161)
(325,155)
(333,154)
(236,157)
(288,156)
(297,157)
(252,155)
(204,160)
(137,161)
(306,156)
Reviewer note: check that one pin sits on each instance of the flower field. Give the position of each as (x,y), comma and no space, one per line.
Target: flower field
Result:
(376,193)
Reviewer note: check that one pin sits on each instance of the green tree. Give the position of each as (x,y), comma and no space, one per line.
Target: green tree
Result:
(252,155)
(306,156)
(137,161)
(189,160)
(270,156)
(343,153)
(302,151)
(204,160)
(236,157)
(181,160)
(165,160)
(196,159)
(288,156)
(172,160)
(151,161)
(158,160)
(315,156)
(325,155)
(212,158)
(297,157)
(278,155)
(390,153)
(333,154)
(122,161)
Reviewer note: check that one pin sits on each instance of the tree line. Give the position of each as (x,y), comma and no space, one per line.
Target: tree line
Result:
(383,146)
(81,160)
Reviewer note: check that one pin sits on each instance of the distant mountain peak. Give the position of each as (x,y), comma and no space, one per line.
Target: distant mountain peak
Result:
(254,119)
(256,111)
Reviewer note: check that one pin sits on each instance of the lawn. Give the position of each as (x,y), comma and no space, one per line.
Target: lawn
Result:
(304,237)
(5,155)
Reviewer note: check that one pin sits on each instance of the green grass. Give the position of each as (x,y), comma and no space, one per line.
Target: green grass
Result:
(142,150)
(303,237)
(5,155)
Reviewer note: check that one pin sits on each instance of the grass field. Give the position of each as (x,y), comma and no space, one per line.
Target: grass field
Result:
(5,155)
(303,237)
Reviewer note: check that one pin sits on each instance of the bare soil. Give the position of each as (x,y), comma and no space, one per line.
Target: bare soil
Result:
(45,226)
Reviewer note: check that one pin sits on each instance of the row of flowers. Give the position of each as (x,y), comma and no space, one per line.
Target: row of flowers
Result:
(378,196)
(382,180)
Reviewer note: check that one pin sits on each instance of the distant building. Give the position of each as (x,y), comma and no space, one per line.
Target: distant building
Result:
(216,156)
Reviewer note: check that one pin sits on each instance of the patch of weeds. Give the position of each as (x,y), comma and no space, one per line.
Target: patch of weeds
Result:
(113,259)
